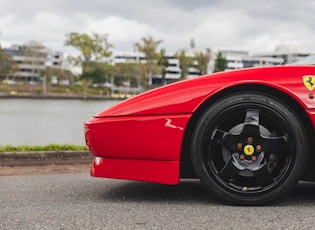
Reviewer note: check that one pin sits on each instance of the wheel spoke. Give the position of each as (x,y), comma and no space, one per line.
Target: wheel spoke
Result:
(277,144)
(218,135)
(252,117)
(224,138)
(229,170)
(263,175)
(251,124)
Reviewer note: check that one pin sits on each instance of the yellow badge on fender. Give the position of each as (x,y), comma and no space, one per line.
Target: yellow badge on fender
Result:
(309,82)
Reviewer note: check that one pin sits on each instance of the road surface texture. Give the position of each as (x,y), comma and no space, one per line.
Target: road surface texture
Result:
(55,199)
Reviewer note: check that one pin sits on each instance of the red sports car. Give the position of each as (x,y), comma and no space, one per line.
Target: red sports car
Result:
(248,135)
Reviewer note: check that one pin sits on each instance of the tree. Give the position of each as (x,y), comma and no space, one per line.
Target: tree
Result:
(220,63)
(62,74)
(7,65)
(142,74)
(34,56)
(185,63)
(149,47)
(92,49)
(125,72)
(100,74)
(163,63)
(203,59)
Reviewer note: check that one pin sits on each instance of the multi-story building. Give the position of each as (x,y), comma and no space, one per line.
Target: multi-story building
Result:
(128,57)
(283,54)
(243,59)
(173,71)
(32,62)
(288,53)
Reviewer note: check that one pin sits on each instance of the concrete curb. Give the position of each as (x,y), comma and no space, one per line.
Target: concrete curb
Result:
(41,158)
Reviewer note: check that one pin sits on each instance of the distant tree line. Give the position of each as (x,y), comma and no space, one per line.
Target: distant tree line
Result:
(95,52)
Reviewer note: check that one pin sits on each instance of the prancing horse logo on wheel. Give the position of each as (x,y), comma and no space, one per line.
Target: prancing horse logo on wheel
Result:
(249,150)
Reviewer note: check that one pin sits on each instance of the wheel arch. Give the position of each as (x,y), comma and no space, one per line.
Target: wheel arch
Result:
(186,169)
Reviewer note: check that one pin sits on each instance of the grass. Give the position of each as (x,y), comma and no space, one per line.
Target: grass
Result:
(32,148)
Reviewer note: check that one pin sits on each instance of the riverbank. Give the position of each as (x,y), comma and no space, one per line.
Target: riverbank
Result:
(64,92)
(63,97)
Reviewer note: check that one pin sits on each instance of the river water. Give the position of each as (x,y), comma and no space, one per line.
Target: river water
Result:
(45,121)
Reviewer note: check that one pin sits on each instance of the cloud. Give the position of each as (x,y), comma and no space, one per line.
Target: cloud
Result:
(124,32)
(215,24)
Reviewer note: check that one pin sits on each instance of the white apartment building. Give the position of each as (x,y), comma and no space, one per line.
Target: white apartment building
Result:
(32,63)
(288,53)
(173,71)
(243,59)
(128,57)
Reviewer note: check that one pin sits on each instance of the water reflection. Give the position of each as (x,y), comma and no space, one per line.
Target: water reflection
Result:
(41,122)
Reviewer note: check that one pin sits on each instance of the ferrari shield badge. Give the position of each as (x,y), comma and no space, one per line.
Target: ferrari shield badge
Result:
(309,82)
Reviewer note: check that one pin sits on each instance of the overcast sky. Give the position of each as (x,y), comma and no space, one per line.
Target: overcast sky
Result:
(248,25)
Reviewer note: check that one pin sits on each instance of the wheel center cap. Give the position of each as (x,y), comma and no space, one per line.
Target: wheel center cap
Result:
(249,150)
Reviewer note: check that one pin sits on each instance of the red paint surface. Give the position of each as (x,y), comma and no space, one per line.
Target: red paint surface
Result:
(163,172)
(137,137)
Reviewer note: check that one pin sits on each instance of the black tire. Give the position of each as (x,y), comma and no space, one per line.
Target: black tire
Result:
(249,149)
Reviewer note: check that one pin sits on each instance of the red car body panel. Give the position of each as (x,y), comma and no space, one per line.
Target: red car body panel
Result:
(141,138)
(137,147)
(158,136)
(166,172)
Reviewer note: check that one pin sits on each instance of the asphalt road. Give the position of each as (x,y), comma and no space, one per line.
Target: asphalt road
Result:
(78,201)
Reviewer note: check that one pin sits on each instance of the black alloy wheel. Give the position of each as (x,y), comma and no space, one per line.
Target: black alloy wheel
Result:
(249,149)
